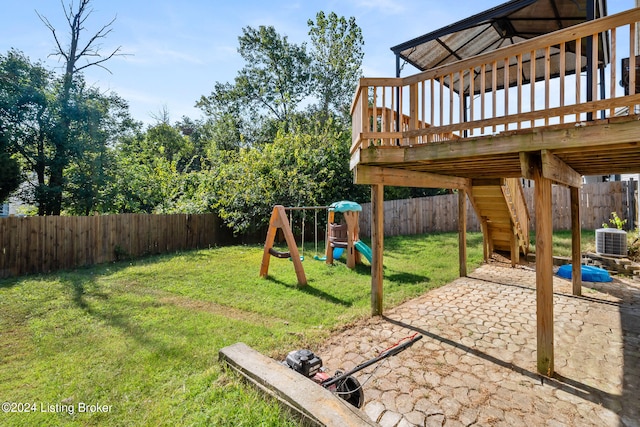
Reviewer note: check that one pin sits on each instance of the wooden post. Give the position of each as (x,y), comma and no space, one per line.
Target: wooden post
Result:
(279,220)
(485,240)
(328,249)
(377,243)
(515,247)
(268,242)
(631,205)
(413,111)
(353,256)
(462,231)
(544,271)
(576,254)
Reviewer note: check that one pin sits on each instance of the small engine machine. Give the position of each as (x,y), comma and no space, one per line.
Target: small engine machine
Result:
(304,362)
(347,387)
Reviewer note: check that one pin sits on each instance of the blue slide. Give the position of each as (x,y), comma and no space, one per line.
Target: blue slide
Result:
(363,249)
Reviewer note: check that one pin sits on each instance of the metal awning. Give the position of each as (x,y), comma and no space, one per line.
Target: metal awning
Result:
(504,25)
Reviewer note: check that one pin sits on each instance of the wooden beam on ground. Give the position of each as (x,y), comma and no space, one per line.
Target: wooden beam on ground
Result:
(462,231)
(373,175)
(317,405)
(558,171)
(377,245)
(576,253)
(544,272)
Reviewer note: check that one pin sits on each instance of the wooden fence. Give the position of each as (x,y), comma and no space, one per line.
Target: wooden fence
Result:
(440,213)
(49,243)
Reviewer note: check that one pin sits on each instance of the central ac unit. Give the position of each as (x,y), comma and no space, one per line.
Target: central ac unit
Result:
(611,241)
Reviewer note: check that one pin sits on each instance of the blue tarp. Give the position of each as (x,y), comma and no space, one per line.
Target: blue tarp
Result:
(589,273)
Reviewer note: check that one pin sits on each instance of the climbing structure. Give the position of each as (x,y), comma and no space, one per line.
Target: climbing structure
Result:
(344,235)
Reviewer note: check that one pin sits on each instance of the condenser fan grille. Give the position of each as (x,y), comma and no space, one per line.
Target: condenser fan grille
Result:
(611,241)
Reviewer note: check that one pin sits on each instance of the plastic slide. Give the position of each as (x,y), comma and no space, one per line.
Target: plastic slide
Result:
(363,249)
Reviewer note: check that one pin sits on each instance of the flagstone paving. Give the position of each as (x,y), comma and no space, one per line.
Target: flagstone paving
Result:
(476,362)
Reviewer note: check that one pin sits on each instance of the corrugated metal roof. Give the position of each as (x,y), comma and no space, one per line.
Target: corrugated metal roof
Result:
(503,25)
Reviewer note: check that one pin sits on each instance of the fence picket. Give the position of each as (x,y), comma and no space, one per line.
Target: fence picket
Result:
(45,244)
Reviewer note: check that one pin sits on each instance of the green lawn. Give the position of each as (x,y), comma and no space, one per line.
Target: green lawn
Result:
(562,242)
(141,339)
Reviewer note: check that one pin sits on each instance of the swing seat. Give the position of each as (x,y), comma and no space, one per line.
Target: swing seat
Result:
(279,254)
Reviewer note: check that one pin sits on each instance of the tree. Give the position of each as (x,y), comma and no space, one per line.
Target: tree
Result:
(26,92)
(275,77)
(226,112)
(143,181)
(336,53)
(267,149)
(91,170)
(267,90)
(9,168)
(77,57)
(16,100)
(157,170)
(29,117)
(308,165)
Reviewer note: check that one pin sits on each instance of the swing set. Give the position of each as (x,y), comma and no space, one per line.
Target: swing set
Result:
(338,237)
(279,220)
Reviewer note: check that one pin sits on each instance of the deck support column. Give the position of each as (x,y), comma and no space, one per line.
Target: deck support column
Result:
(462,231)
(486,242)
(377,244)
(576,253)
(544,271)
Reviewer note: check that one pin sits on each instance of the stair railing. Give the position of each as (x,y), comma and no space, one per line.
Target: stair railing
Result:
(514,195)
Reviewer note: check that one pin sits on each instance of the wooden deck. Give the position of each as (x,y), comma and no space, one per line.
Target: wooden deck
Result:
(458,127)
(459,120)
(599,147)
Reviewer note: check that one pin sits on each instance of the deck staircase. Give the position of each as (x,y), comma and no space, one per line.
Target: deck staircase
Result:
(502,210)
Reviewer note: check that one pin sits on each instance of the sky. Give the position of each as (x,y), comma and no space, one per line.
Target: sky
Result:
(176,50)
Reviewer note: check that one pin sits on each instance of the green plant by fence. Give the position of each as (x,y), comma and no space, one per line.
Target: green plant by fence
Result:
(50,243)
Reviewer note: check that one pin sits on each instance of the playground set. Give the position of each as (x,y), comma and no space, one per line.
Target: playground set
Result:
(340,237)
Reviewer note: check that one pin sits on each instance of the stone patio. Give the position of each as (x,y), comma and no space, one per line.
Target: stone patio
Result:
(476,363)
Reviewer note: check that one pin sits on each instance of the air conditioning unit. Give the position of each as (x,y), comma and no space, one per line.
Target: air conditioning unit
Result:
(611,241)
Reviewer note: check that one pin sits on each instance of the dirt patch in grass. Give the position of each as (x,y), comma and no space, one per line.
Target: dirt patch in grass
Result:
(220,310)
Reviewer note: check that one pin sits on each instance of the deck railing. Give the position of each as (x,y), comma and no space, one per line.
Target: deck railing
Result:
(435,105)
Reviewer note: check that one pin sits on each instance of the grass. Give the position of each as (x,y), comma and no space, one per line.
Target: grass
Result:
(562,242)
(141,339)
